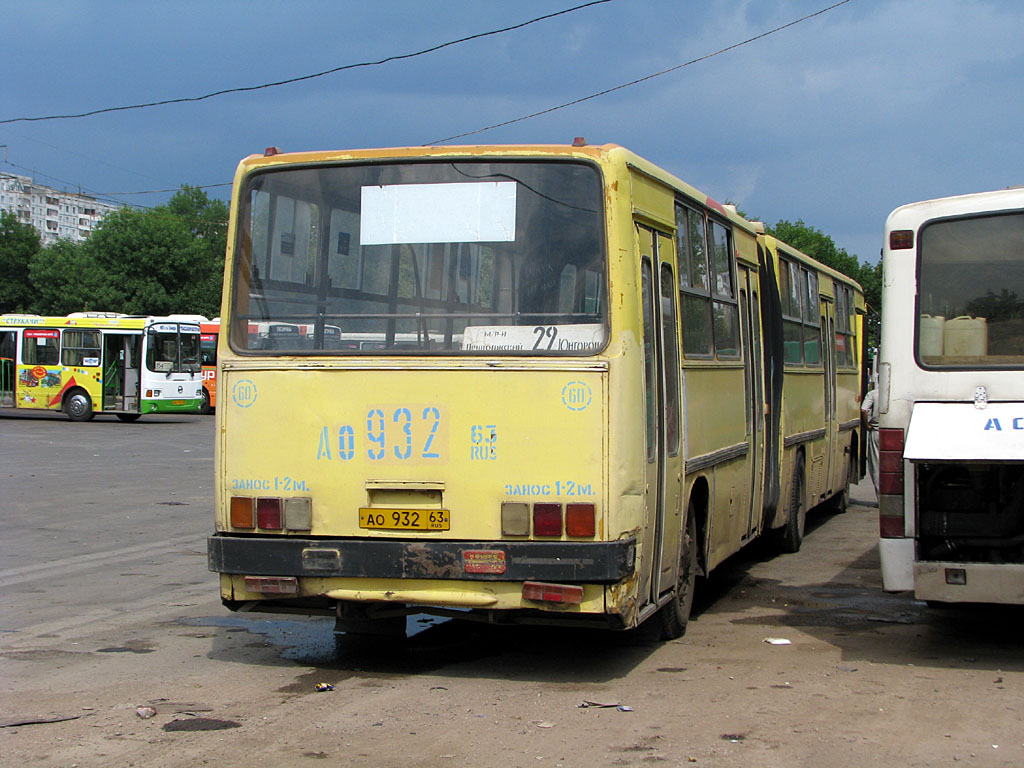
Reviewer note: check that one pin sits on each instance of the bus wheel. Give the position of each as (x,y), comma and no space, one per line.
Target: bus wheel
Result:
(841,501)
(676,614)
(78,405)
(204,408)
(793,533)
(129,416)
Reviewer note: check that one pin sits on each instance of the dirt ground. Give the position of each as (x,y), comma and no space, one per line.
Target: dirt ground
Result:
(865,679)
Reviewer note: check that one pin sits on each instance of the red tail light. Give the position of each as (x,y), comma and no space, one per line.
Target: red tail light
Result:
(553,593)
(547,519)
(890,461)
(891,523)
(268,514)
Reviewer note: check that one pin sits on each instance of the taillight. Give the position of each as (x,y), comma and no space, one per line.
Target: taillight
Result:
(891,523)
(890,461)
(579,520)
(298,514)
(515,518)
(242,515)
(271,514)
(547,519)
(553,593)
(268,514)
(901,239)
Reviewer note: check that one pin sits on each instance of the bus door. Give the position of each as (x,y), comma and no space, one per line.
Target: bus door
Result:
(664,473)
(753,379)
(828,351)
(122,361)
(8,345)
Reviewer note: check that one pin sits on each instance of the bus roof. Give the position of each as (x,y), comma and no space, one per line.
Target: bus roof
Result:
(602,154)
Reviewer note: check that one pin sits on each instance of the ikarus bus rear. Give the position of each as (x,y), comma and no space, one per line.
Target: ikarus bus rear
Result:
(478,381)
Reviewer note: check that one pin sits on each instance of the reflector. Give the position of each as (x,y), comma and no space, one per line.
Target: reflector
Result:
(272,585)
(553,593)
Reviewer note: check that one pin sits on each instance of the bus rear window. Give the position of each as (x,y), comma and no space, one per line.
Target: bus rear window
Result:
(454,257)
(971,292)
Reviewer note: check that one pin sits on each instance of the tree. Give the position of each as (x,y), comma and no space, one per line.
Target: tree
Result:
(66,278)
(207,220)
(166,260)
(18,244)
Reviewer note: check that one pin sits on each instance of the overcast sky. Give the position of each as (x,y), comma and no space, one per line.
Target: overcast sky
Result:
(835,120)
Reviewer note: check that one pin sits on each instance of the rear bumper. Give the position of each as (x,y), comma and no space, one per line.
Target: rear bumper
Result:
(603,562)
(953,582)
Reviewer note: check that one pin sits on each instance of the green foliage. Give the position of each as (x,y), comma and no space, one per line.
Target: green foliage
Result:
(166,260)
(68,279)
(18,244)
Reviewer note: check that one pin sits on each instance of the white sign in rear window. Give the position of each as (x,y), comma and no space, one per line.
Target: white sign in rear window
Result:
(438,213)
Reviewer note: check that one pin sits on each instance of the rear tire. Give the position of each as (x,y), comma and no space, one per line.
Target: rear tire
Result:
(793,533)
(675,615)
(78,405)
(841,501)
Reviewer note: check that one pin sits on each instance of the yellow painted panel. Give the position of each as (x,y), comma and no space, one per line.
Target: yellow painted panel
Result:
(480,437)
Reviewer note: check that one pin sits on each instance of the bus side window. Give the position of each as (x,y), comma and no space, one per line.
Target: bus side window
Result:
(695,301)
(38,349)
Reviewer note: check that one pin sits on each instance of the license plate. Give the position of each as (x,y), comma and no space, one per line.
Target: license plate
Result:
(377,518)
(179,402)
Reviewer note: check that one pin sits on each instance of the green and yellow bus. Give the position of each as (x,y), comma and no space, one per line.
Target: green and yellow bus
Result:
(513,383)
(86,364)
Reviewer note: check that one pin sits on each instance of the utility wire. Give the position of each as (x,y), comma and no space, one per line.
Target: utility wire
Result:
(305,77)
(639,80)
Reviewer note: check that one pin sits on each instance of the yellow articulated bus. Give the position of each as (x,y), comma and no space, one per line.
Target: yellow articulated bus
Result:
(533,384)
(100,363)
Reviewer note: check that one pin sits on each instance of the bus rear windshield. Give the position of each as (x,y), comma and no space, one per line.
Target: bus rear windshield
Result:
(448,257)
(971,292)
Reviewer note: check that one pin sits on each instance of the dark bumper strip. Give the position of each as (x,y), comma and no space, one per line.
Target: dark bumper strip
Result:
(602,562)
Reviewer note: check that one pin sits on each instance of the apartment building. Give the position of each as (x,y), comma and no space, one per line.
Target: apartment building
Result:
(54,214)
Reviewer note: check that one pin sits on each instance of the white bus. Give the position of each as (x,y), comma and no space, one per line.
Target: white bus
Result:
(951,399)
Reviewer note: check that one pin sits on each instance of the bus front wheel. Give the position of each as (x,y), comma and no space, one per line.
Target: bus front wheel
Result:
(676,614)
(204,407)
(78,405)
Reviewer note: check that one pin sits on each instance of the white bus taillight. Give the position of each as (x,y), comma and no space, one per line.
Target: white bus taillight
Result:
(890,484)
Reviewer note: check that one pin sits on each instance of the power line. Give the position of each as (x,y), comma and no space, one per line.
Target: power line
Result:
(514,120)
(305,77)
(639,80)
